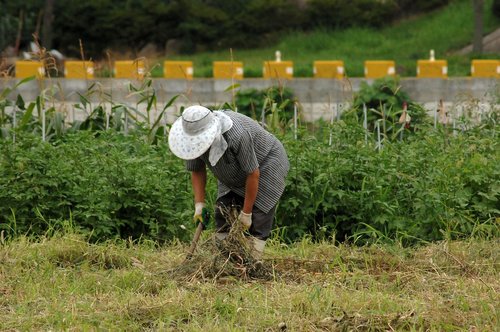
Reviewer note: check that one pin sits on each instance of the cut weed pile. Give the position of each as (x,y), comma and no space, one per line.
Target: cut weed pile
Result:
(231,257)
(66,283)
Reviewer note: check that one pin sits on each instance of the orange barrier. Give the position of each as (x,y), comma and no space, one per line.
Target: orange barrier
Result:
(432,69)
(379,68)
(129,69)
(228,70)
(178,69)
(278,69)
(329,69)
(29,68)
(485,68)
(79,69)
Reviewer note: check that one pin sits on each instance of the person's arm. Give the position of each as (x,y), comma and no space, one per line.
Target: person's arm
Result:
(199,182)
(251,189)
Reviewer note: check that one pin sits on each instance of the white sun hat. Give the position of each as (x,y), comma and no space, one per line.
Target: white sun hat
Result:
(196,130)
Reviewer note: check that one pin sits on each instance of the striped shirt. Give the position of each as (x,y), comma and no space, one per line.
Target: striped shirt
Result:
(249,147)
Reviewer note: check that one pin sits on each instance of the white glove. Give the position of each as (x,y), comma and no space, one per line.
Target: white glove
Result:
(198,210)
(245,219)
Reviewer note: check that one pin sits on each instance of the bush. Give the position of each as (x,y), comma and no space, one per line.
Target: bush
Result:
(251,102)
(433,186)
(111,185)
(384,99)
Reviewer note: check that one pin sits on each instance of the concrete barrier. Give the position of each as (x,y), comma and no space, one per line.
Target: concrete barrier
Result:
(315,96)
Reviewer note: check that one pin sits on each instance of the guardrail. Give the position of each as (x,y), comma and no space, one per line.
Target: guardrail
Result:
(333,69)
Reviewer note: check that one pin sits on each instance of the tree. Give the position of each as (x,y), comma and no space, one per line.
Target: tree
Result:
(48,18)
(477,42)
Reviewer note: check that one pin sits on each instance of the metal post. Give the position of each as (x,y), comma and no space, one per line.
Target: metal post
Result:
(383,120)
(295,120)
(125,129)
(107,119)
(331,125)
(379,142)
(14,124)
(435,115)
(365,122)
(43,124)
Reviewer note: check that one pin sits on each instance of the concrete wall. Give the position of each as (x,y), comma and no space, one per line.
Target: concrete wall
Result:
(317,98)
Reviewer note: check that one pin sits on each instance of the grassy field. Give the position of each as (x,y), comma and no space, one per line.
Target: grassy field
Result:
(446,31)
(65,283)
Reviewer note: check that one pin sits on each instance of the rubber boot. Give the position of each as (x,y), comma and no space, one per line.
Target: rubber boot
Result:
(257,247)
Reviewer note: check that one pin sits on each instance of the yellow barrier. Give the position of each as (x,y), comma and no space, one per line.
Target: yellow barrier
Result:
(329,69)
(79,69)
(485,68)
(228,70)
(29,68)
(432,69)
(130,69)
(178,69)
(278,69)
(379,68)
(271,69)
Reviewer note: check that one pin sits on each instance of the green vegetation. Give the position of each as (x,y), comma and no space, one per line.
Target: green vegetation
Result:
(65,283)
(396,231)
(194,25)
(445,30)
(114,176)
(217,31)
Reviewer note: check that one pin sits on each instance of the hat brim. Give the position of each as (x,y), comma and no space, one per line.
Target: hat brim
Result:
(190,147)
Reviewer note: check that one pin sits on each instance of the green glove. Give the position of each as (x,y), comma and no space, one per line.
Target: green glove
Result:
(201,214)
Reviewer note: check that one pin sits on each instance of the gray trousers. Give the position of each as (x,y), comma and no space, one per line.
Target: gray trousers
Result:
(262,223)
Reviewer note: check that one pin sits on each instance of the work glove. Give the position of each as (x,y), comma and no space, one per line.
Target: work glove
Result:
(245,219)
(201,214)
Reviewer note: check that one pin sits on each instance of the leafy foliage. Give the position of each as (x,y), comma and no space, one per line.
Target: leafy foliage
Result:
(254,102)
(384,100)
(111,184)
(430,187)
(118,179)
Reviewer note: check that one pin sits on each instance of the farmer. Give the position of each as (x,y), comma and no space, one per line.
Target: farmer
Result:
(249,163)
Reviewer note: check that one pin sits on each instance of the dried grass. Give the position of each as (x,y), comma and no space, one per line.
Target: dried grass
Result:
(232,257)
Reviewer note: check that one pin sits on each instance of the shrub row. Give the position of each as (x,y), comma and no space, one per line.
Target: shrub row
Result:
(110,184)
(429,186)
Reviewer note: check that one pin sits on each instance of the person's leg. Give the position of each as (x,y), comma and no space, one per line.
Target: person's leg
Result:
(262,223)
(260,230)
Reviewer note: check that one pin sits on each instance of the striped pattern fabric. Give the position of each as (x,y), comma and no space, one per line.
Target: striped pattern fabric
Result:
(249,147)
